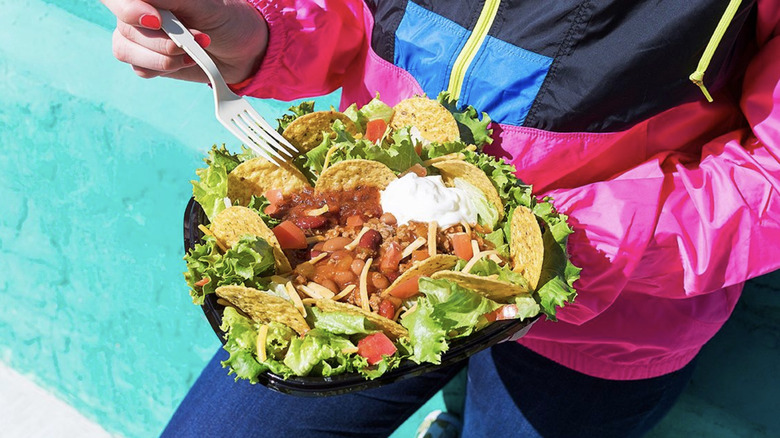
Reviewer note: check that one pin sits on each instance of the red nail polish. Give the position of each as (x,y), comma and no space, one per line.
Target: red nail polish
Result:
(203,40)
(150,22)
(188,60)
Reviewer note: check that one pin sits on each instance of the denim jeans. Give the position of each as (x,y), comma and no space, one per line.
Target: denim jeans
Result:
(511,391)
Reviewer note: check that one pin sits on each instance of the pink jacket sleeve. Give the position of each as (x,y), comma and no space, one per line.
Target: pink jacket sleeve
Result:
(312,46)
(681,225)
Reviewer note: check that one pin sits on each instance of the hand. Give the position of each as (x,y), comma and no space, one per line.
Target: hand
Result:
(233,31)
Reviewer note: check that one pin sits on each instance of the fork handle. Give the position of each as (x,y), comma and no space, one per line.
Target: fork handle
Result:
(184,39)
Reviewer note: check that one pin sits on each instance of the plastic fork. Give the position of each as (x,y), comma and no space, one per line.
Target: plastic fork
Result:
(234,112)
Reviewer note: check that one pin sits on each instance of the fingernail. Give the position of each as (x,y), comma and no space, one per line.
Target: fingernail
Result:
(188,60)
(150,22)
(203,40)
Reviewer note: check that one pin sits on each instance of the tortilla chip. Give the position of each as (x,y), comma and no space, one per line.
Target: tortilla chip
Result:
(351,174)
(306,132)
(424,268)
(495,289)
(472,174)
(526,247)
(391,328)
(258,175)
(434,122)
(263,307)
(231,223)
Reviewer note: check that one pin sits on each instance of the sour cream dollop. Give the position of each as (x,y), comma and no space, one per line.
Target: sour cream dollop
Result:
(426,199)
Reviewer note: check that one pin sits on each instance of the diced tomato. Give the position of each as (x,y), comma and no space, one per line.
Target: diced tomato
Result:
(420,255)
(354,221)
(374,346)
(391,258)
(406,288)
(507,311)
(203,281)
(461,245)
(386,309)
(290,236)
(418,170)
(271,209)
(375,129)
(274,196)
(309,222)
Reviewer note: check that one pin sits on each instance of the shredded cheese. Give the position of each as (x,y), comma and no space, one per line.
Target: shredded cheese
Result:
(432,228)
(476,258)
(411,309)
(318,211)
(398,313)
(347,290)
(309,301)
(321,290)
(495,258)
(262,335)
(466,227)
(317,258)
(294,297)
(351,245)
(471,148)
(327,158)
(418,242)
(474,247)
(349,350)
(315,238)
(452,156)
(309,292)
(364,286)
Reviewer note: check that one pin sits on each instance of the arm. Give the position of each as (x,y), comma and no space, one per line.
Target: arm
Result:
(312,47)
(679,226)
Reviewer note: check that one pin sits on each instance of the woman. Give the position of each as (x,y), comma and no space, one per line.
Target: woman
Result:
(673,198)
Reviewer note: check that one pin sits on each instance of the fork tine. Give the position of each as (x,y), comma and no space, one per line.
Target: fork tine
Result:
(253,136)
(251,122)
(251,144)
(275,134)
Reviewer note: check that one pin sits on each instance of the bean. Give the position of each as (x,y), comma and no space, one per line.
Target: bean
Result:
(330,284)
(379,281)
(357,266)
(335,243)
(388,219)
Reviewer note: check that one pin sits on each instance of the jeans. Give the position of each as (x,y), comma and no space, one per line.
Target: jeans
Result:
(511,391)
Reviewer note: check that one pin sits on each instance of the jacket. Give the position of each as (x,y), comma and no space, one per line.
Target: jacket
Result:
(673,199)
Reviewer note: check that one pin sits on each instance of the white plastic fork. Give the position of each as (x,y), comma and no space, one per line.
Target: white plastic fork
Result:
(234,112)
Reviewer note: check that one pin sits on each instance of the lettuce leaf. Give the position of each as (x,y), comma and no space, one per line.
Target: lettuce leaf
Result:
(211,188)
(445,311)
(320,353)
(258,204)
(301,109)
(398,156)
(240,343)
(340,323)
(244,264)
(472,129)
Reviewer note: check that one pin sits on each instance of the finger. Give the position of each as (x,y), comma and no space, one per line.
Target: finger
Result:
(134,12)
(146,59)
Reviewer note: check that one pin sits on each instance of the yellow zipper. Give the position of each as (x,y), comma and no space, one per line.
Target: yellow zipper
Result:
(697,77)
(466,56)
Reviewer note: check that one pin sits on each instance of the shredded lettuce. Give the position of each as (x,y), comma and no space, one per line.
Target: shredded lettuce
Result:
(445,311)
(487,213)
(472,129)
(211,188)
(244,264)
(299,110)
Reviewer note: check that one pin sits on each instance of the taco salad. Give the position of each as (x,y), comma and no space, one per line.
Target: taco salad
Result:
(390,237)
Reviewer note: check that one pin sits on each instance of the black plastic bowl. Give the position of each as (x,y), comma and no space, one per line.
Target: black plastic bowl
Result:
(460,349)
